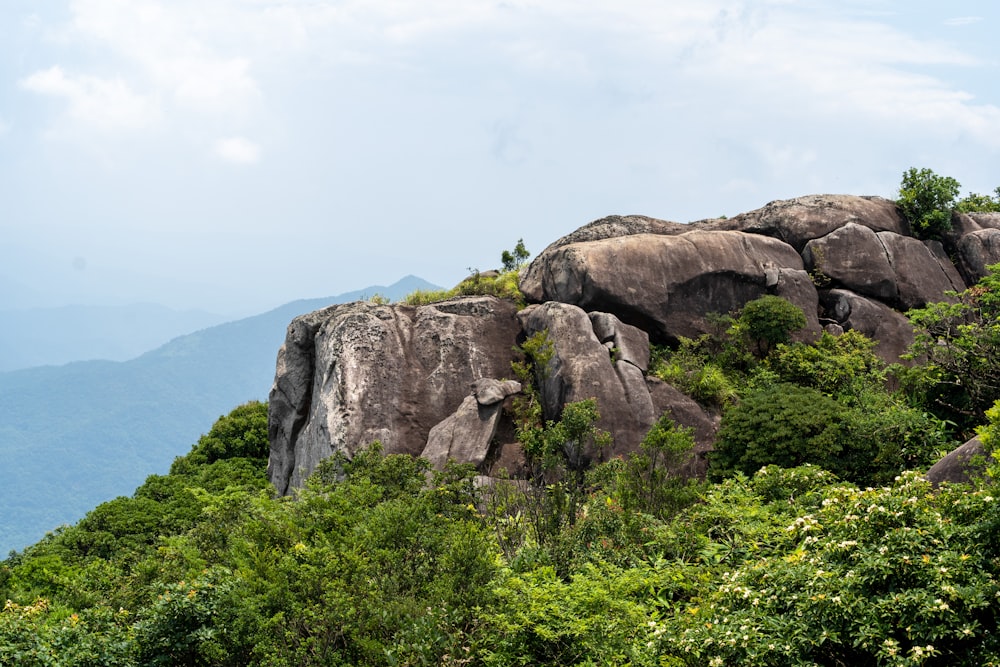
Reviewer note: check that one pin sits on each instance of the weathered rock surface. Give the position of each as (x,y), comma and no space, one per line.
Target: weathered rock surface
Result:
(961,465)
(686,412)
(921,270)
(466,434)
(665,285)
(366,372)
(581,367)
(852,258)
(876,320)
(798,221)
(976,251)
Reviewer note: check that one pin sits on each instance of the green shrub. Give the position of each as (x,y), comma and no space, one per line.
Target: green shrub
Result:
(652,480)
(768,321)
(503,285)
(785,425)
(240,434)
(888,576)
(833,365)
(977,203)
(926,201)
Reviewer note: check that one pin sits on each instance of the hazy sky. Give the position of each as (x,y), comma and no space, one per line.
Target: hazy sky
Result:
(233,155)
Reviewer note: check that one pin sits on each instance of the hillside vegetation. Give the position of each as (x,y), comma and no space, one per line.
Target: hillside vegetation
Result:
(816,540)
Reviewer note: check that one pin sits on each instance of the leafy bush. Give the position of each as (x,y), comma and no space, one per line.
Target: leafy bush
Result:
(926,201)
(693,369)
(894,576)
(959,344)
(785,425)
(240,434)
(977,203)
(868,439)
(833,364)
(501,285)
(768,321)
(652,480)
(597,617)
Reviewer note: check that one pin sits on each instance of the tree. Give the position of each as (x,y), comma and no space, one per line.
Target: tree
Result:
(926,201)
(515,259)
(977,203)
(960,343)
(240,434)
(652,479)
(769,321)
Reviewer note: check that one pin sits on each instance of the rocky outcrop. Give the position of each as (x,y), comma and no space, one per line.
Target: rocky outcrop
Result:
(921,271)
(665,285)
(889,328)
(428,380)
(798,221)
(363,372)
(978,250)
(961,465)
(852,258)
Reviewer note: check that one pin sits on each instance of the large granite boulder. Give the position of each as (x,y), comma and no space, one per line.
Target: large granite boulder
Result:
(798,221)
(921,270)
(978,250)
(665,285)
(852,258)
(360,372)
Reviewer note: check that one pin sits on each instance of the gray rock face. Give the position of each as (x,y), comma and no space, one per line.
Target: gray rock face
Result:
(852,258)
(581,368)
(961,465)
(876,320)
(798,221)
(615,226)
(665,285)
(921,270)
(466,435)
(976,251)
(367,372)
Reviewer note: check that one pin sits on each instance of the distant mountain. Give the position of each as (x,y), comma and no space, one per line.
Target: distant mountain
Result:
(52,336)
(76,435)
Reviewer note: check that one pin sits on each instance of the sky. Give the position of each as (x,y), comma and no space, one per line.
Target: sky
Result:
(234,155)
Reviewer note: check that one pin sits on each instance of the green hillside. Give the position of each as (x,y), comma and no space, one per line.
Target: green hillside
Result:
(76,435)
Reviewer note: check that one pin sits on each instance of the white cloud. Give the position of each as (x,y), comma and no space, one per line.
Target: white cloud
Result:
(4,127)
(959,21)
(238,150)
(106,104)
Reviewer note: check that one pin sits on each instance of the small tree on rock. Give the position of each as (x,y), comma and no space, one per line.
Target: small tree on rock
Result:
(926,201)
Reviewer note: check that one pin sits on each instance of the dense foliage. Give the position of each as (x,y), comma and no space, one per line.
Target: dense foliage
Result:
(958,343)
(928,200)
(817,543)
